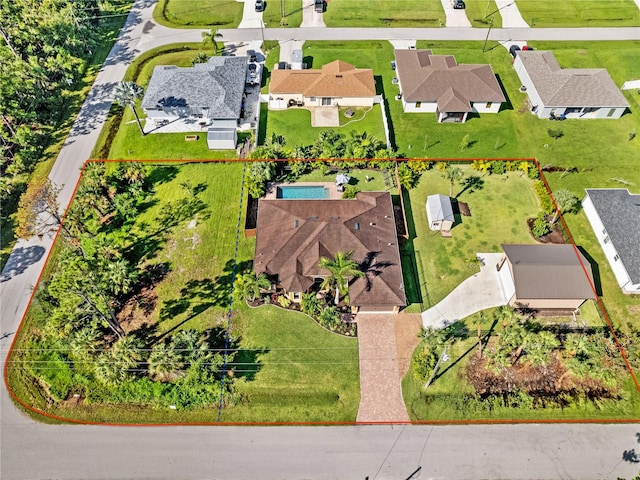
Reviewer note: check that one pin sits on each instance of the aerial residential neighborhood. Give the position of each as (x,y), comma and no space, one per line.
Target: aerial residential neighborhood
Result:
(362,236)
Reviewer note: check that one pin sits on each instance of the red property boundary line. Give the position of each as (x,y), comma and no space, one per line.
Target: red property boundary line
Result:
(417,422)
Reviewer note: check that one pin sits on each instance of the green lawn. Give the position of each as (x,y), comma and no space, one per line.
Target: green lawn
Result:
(272,16)
(384,13)
(579,13)
(449,397)
(304,373)
(358,177)
(499,210)
(295,124)
(198,14)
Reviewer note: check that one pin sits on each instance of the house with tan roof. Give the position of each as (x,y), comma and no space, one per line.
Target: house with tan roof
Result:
(545,277)
(572,92)
(292,236)
(336,83)
(436,83)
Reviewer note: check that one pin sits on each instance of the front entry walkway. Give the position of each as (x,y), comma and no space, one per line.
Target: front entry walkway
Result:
(478,292)
(385,344)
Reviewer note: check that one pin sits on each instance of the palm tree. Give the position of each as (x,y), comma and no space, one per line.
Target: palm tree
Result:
(210,39)
(250,284)
(189,346)
(126,94)
(119,276)
(453,175)
(341,268)
(84,344)
(135,173)
(164,362)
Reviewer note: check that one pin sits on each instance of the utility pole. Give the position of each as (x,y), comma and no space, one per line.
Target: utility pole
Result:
(282,12)
(484,47)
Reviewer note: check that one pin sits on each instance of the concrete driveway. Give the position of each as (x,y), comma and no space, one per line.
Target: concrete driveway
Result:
(511,17)
(311,18)
(455,18)
(251,18)
(482,290)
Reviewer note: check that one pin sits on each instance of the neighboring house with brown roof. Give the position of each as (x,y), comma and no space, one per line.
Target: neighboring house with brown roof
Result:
(614,215)
(572,92)
(336,83)
(436,83)
(292,236)
(545,277)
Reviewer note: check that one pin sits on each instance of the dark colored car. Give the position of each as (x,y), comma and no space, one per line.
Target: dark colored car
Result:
(319,6)
(259,5)
(458,4)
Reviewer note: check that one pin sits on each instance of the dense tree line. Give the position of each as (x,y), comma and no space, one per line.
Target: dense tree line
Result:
(44,50)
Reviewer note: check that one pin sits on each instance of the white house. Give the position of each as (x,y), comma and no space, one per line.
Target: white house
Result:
(336,83)
(440,212)
(436,83)
(614,215)
(209,94)
(572,92)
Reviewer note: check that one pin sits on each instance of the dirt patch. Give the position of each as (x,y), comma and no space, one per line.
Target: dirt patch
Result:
(74,400)
(464,209)
(136,311)
(555,236)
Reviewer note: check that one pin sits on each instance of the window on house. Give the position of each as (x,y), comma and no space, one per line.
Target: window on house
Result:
(604,230)
(606,239)
(616,258)
(489,104)
(611,112)
(418,104)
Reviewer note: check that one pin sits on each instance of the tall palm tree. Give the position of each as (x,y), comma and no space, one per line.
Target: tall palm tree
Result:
(341,268)
(453,175)
(126,94)
(210,39)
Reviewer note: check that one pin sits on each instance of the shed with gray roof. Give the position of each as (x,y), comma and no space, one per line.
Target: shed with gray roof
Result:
(614,215)
(572,92)
(436,83)
(440,212)
(556,277)
(211,91)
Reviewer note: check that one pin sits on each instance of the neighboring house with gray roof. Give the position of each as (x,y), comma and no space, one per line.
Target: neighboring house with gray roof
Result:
(546,277)
(614,215)
(209,93)
(436,83)
(573,92)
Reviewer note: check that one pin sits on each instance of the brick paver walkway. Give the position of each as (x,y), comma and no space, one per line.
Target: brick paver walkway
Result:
(385,344)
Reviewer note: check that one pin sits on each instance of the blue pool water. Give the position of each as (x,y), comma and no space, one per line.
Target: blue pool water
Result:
(302,192)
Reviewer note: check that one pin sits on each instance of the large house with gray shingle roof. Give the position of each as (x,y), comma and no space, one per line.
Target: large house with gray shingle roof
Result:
(209,93)
(292,236)
(436,83)
(614,215)
(572,92)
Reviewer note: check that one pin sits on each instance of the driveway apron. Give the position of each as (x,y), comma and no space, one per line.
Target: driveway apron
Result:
(382,365)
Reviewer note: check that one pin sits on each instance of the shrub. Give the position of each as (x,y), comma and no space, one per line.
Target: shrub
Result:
(546,204)
(350,191)
(555,133)
(498,167)
(284,301)
(540,225)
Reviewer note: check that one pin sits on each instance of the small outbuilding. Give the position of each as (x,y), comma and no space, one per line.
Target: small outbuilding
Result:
(440,212)
(222,138)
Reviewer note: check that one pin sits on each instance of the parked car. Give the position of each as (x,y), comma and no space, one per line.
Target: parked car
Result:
(458,4)
(319,6)
(253,73)
(252,55)
(259,5)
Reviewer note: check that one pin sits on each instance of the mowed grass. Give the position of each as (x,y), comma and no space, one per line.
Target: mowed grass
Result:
(499,208)
(295,124)
(292,370)
(384,13)
(449,397)
(198,14)
(272,15)
(579,13)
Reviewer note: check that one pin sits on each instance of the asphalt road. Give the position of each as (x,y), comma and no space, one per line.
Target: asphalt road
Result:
(32,451)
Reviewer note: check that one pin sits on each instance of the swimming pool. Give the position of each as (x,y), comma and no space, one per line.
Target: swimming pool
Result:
(302,192)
